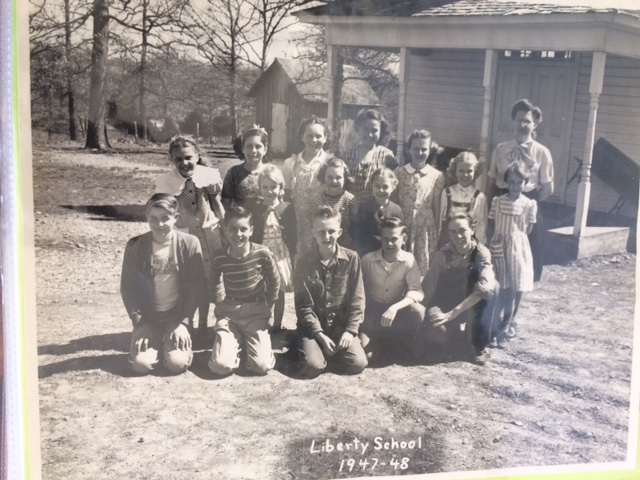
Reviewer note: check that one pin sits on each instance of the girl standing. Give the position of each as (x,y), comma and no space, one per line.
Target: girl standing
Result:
(197,189)
(240,185)
(464,197)
(333,175)
(300,176)
(510,221)
(274,226)
(367,157)
(418,193)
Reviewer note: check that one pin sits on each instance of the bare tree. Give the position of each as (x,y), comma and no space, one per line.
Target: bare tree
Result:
(96,128)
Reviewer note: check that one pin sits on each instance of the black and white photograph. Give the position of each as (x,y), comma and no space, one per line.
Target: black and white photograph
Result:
(320,239)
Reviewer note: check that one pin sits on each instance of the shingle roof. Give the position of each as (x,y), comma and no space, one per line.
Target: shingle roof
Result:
(438,8)
(313,85)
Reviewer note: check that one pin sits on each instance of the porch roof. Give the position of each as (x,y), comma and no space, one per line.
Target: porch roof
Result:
(478,24)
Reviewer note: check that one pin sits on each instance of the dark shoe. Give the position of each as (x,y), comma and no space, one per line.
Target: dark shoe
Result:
(480,358)
(502,342)
(511,331)
(493,343)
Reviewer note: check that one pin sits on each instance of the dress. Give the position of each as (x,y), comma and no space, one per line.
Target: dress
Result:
(418,194)
(300,178)
(345,204)
(199,207)
(458,199)
(240,187)
(361,170)
(509,246)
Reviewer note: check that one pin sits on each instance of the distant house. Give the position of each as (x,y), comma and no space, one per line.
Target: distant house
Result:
(463,63)
(290,90)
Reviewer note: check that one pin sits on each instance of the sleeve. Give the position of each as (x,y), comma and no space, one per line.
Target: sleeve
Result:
(271,277)
(479,214)
(196,282)
(494,208)
(438,188)
(546,166)
(131,280)
(532,211)
(486,284)
(357,299)
(303,300)
(493,168)
(430,281)
(414,288)
(228,188)
(216,294)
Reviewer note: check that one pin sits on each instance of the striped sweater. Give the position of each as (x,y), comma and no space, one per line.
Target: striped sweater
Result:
(246,279)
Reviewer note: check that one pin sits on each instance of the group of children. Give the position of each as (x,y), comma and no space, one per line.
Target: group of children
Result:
(353,243)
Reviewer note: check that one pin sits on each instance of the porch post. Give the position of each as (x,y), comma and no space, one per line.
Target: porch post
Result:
(402,103)
(332,64)
(584,187)
(489,83)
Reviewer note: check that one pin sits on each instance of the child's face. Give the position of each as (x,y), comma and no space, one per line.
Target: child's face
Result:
(524,124)
(254,150)
(465,172)
(381,189)
(326,232)
(238,231)
(515,184)
(419,150)
(161,223)
(369,133)
(185,160)
(269,189)
(314,137)
(392,239)
(460,234)
(334,181)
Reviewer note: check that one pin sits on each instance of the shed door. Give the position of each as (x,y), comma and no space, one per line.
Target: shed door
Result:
(552,89)
(279,118)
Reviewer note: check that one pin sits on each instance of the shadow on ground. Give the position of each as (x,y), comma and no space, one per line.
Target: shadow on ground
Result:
(124,213)
(105,343)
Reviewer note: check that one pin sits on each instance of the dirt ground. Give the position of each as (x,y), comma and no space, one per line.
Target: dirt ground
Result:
(559,394)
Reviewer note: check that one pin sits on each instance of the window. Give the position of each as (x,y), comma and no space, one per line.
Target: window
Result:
(546,55)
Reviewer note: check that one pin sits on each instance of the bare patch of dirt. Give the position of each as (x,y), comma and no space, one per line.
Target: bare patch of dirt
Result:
(558,395)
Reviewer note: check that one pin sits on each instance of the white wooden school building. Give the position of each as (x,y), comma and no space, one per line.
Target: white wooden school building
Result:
(463,63)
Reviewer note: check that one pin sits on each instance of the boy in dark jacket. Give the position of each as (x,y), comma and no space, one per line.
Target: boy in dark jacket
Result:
(162,284)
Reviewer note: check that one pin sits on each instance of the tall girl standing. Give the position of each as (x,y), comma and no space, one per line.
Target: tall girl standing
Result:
(240,185)
(419,189)
(367,157)
(300,176)
(197,189)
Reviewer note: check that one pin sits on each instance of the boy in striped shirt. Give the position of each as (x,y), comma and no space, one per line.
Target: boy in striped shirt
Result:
(251,286)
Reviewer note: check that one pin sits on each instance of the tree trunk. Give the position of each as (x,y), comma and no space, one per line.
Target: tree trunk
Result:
(95,121)
(337,99)
(142,111)
(73,131)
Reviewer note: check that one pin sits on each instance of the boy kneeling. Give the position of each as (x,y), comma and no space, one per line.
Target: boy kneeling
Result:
(329,300)
(161,285)
(392,286)
(251,286)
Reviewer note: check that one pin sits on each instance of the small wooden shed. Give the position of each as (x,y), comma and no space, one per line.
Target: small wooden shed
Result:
(463,63)
(291,90)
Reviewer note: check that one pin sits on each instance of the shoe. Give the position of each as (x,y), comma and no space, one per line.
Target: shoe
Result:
(511,332)
(493,343)
(502,342)
(480,358)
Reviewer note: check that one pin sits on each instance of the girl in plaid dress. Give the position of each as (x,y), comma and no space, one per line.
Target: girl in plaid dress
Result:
(300,176)
(367,157)
(197,189)
(511,219)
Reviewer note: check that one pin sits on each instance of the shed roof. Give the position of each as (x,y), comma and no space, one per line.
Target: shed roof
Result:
(313,85)
(456,8)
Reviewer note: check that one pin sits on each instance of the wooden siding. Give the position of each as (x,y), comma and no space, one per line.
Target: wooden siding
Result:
(445,95)
(618,121)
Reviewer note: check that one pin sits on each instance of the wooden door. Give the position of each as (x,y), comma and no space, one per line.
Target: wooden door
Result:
(552,88)
(279,118)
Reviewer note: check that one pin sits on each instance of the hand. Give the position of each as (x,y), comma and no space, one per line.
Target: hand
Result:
(327,345)
(136,318)
(345,341)
(388,317)
(443,318)
(181,338)
(141,345)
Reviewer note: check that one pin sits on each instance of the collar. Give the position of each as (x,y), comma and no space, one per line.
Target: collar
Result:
(339,255)
(423,171)
(173,182)
(403,256)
